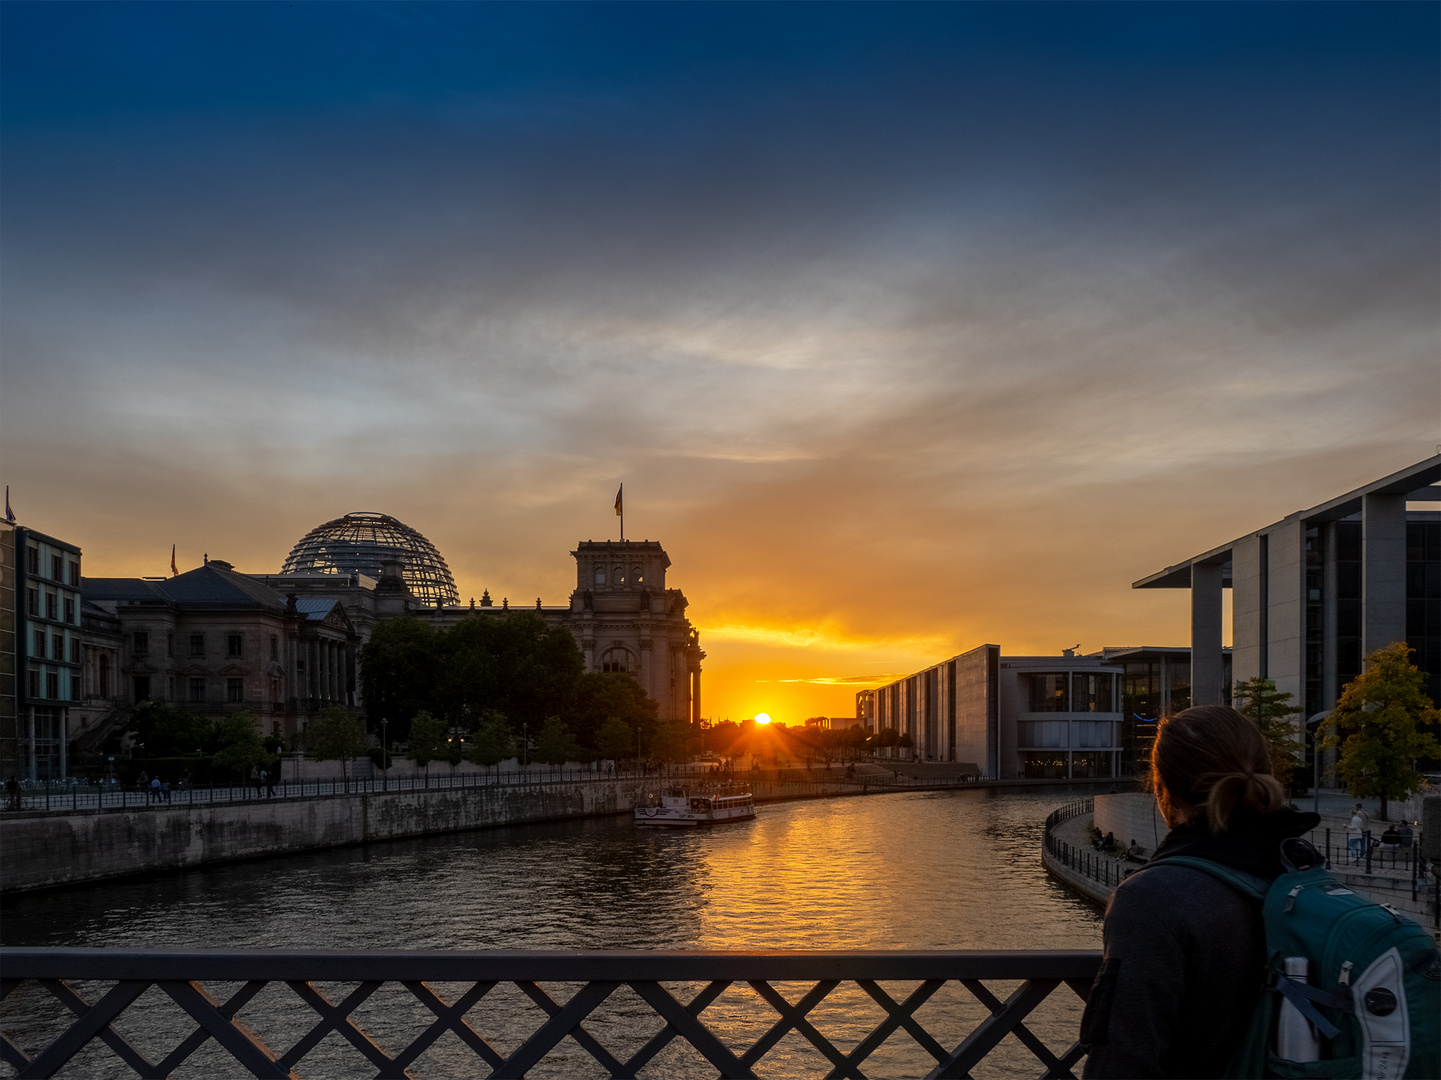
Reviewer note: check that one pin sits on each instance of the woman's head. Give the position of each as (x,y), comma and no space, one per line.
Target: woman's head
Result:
(1212,758)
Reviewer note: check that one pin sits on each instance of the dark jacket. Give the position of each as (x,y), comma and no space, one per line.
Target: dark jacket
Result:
(1184,955)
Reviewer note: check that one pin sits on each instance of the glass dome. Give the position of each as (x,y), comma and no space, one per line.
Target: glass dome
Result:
(360,542)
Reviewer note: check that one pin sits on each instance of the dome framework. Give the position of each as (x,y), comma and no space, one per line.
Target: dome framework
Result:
(360,542)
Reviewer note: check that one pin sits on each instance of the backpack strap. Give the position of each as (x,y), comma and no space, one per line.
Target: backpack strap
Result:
(1251,885)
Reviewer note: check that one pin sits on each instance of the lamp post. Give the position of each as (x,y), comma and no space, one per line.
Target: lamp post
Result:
(524,746)
(1314,726)
(384,757)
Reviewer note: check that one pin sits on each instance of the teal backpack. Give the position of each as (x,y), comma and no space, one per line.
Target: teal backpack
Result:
(1372,1008)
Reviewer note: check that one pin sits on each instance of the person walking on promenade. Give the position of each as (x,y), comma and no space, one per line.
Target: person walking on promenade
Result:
(155,789)
(1356,836)
(12,791)
(1184,962)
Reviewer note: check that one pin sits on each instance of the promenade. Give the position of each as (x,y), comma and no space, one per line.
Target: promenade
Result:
(1388,875)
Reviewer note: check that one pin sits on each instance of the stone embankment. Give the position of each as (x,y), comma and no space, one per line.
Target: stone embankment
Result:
(40,849)
(1394,877)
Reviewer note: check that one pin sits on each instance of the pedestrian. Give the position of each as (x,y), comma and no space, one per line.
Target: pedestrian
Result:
(144,780)
(12,790)
(165,790)
(1184,962)
(255,779)
(155,789)
(1356,835)
(269,783)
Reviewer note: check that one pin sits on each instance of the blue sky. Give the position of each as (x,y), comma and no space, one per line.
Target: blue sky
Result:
(907,326)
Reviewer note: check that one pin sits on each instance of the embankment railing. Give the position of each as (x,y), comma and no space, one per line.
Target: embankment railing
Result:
(680,1014)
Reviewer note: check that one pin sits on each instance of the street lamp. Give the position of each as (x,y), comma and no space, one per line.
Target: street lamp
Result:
(384,757)
(524,746)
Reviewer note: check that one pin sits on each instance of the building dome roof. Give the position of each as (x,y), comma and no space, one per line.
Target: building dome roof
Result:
(360,542)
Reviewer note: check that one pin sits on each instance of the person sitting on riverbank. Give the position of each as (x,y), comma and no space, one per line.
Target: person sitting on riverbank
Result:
(1135,851)
(1109,843)
(1184,961)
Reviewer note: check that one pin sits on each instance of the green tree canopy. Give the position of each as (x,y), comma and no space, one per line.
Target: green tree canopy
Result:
(166,731)
(427,738)
(616,740)
(601,696)
(1377,725)
(398,670)
(492,742)
(556,745)
(335,735)
(1272,710)
(241,749)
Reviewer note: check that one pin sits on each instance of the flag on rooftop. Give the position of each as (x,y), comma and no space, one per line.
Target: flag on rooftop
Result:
(10,514)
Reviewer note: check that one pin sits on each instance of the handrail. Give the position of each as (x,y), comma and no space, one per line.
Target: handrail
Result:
(669,993)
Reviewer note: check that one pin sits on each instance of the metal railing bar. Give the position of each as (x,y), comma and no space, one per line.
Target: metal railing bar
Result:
(664,1037)
(1023,1033)
(200,1036)
(1062,1069)
(127,1053)
(902,1015)
(87,1026)
(448,1018)
(243,1046)
(354,966)
(794,1017)
(581,1004)
(588,1043)
(993,1029)
(334,1017)
(693,1031)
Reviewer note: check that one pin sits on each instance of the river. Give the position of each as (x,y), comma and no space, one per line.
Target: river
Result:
(915,870)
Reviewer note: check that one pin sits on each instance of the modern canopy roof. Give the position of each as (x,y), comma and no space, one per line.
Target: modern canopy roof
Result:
(360,542)
(1416,482)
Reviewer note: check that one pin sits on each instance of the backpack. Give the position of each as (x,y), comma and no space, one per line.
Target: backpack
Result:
(1374,996)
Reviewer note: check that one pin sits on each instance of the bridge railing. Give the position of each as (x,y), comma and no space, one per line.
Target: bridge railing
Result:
(108,1012)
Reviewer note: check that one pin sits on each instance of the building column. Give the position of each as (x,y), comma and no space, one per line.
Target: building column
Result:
(646,670)
(1383,571)
(1206,672)
(64,743)
(695,697)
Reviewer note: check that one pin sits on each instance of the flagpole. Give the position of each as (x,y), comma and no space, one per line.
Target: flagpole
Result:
(622,513)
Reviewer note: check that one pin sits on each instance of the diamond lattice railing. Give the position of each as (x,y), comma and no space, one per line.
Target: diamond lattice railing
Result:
(391,1014)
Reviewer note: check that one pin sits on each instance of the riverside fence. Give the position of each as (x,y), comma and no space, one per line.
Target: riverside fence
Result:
(102,1012)
(76,795)
(1388,872)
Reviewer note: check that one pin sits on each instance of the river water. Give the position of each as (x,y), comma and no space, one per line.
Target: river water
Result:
(916,870)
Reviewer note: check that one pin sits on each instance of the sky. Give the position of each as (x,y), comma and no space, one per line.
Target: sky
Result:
(907,328)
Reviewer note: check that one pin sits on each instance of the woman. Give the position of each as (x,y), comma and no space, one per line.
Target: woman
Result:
(1185,952)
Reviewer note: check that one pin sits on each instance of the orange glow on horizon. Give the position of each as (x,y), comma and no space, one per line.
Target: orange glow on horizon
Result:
(763,718)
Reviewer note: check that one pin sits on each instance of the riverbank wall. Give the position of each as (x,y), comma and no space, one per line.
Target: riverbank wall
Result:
(40,850)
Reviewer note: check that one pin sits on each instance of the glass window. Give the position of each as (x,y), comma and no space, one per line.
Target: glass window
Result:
(57,567)
(234,644)
(274,647)
(600,575)
(70,609)
(140,643)
(52,684)
(1091,693)
(1033,734)
(234,690)
(32,683)
(197,645)
(39,651)
(619,575)
(197,690)
(57,646)
(1048,693)
(636,576)
(52,607)
(169,643)
(32,602)
(32,561)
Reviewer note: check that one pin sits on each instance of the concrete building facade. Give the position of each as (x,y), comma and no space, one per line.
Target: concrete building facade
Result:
(1314,593)
(1010,717)
(47,651)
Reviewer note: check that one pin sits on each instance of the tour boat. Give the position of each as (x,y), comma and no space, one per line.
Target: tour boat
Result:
(680,807)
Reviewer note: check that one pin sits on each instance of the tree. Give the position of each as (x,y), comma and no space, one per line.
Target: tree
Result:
(427,739)
(492,742)
(602,695)
(615,740)
(1377,726)
(1259,699)
(238,736)
(555,745)
(398,672)
(335,735)
(165,731)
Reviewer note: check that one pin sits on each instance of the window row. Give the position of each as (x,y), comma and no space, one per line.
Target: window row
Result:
(61,570)
(1071,692)
(619,576)
(54,604)
(197,690)
(52,685)
(1062,734)
(234,645)
(46,646)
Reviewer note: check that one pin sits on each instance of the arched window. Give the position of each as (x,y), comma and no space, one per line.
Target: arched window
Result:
(104,675)
(618,658)
(600,575)
(636,576)
(620,575)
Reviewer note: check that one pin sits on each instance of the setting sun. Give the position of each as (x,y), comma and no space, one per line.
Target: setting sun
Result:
(763,718)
